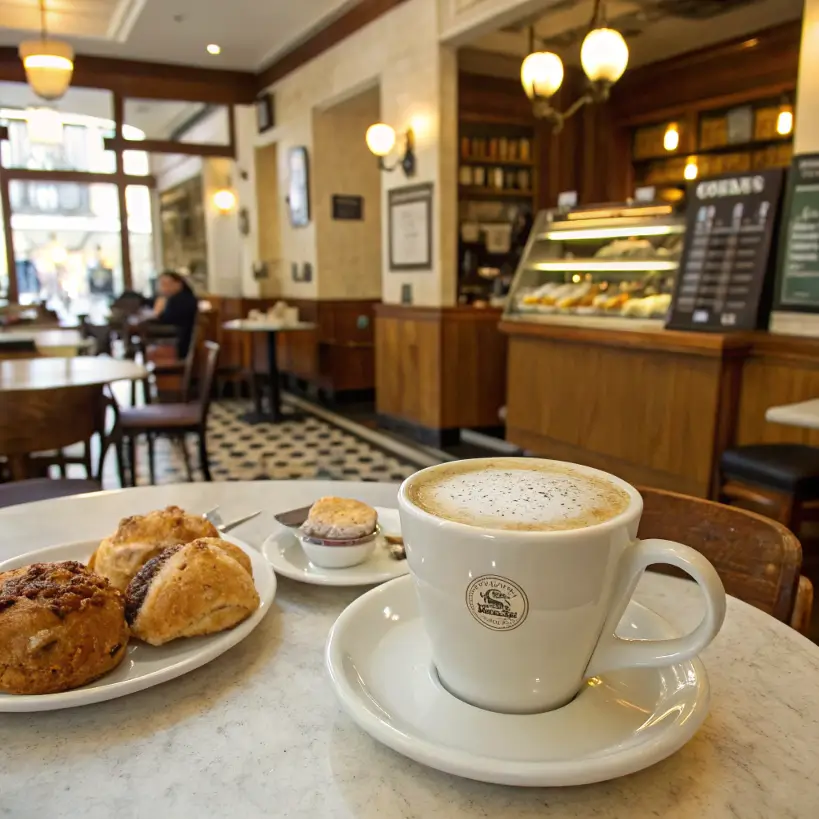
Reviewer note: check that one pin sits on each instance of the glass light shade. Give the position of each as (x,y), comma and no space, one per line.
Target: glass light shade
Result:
(541,74)
(49,65)
(691,169)
(671,138)
(380,139)
(784,122)
(224,200)
(44,126)
(604,55)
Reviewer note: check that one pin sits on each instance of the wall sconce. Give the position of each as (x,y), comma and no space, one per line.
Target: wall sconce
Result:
(224,200)
(381,140)
(784,121)
(671,137)
(690,172)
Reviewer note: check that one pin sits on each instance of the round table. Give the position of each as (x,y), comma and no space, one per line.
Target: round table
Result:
(272,329)
(258,732)
(51,373)
(50,342)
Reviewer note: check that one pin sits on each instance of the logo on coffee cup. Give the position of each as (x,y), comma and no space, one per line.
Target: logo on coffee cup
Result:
(496,602)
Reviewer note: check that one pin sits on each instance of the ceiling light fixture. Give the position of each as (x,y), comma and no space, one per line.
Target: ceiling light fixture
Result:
(49,64)
(214,49)
(381,140)
(603,55)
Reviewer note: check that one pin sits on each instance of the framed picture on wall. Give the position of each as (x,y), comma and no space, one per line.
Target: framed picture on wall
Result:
(264,113)
(298,193)
(410,227)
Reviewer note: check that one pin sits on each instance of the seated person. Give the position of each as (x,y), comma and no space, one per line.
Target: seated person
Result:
(176,306)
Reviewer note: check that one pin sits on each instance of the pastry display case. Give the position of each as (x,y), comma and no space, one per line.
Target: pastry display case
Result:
(606,265)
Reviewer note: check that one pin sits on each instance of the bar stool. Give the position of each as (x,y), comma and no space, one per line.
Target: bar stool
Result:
(781,479)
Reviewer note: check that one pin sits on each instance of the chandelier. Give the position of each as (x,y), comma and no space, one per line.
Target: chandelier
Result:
(49,64)
(603,55)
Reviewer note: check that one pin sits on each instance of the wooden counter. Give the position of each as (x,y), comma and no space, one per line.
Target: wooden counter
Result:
(439,369)
(654,407)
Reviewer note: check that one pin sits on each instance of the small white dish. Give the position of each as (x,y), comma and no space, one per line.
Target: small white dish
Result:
(144,666)
(288,558)
(341,555)
(379,660)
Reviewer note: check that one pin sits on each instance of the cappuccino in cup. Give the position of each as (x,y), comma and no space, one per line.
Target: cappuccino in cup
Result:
(523,569)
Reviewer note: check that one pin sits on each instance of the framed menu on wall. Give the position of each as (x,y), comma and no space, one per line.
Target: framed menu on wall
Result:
(410,227)
(797,283)
(726,272)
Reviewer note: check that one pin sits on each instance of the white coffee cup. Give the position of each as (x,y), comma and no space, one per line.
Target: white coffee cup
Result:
(564,593)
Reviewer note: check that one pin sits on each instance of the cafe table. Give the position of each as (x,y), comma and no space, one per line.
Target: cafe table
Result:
(258,733)
(53,373)
(54,341)
(271,328)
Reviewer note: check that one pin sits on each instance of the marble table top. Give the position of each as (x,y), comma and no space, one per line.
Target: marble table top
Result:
(267,326)
(55,338)
(51,373)
(803,414)
(258,733)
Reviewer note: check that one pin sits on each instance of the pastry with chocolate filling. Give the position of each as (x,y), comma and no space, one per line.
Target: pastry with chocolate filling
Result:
(141,537)
(61,626)
(188,591)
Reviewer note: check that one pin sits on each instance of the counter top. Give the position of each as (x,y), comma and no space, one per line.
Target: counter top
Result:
(258,732)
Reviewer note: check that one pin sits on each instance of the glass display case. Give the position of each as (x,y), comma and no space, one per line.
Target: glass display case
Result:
(598,265)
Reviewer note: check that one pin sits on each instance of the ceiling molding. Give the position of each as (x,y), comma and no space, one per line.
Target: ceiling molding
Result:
(338,29)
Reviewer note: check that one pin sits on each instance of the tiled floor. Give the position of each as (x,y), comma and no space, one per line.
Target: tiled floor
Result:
(310,447)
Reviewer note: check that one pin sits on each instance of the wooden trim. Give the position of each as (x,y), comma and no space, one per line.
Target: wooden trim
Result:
(5,205)
(166,146)
(232,131)
(661,341)
(80,177)
(417,313)
(148,80)
(122,201)
(355,18)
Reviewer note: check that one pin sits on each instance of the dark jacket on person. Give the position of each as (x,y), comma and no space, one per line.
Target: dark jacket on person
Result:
(180,311)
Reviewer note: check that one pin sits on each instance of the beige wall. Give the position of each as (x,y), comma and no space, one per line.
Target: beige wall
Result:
(399,52)
(348,252)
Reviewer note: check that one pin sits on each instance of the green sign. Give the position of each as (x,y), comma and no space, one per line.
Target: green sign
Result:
(799,269)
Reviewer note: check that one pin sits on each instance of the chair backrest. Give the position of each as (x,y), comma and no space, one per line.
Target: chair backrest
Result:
(757,558)
(38,420)
(190,358)
(208,375)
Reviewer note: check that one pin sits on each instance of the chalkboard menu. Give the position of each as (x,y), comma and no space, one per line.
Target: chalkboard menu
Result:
(723,282)
(798,281)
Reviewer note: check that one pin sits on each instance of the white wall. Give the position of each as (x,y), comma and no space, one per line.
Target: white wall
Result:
(806,124)
(400,52)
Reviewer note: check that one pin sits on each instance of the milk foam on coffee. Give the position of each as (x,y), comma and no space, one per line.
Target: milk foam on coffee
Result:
(511,494)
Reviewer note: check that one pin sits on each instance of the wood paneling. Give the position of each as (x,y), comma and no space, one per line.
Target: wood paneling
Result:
(755,66)
(361,13)
(779,370)
(440,368)
(133,78)
(650,407)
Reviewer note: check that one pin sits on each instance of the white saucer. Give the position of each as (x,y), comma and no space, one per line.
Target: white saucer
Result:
(378,656)
(287,558)
(144,666)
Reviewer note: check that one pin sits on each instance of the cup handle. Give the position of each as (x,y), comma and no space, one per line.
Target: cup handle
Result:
(613,652)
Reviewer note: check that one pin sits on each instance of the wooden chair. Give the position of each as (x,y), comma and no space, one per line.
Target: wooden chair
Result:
(758,559)
(174,420)
(33,421)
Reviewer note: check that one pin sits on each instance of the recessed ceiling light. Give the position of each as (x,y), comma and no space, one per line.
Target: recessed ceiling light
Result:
(214,49)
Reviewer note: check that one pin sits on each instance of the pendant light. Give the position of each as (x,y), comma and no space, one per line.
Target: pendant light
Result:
(49,64)
(603,55)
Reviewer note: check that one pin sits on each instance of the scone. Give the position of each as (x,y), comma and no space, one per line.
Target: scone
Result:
(187,591)
(61,626)
(340,519)
(230,549)
(141,537)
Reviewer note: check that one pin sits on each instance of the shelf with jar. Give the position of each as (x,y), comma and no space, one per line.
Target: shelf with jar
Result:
(751,137)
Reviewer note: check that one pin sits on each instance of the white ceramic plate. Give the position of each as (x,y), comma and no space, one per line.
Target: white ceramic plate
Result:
(378,657)
(144,666)
(288,559)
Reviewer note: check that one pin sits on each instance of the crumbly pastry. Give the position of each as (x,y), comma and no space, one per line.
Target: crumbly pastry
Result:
(230,549)
(141,537)
(61,626)
(187,591)
(340,519)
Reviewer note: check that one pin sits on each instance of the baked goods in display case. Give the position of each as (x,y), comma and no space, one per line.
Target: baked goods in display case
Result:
(617,261)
